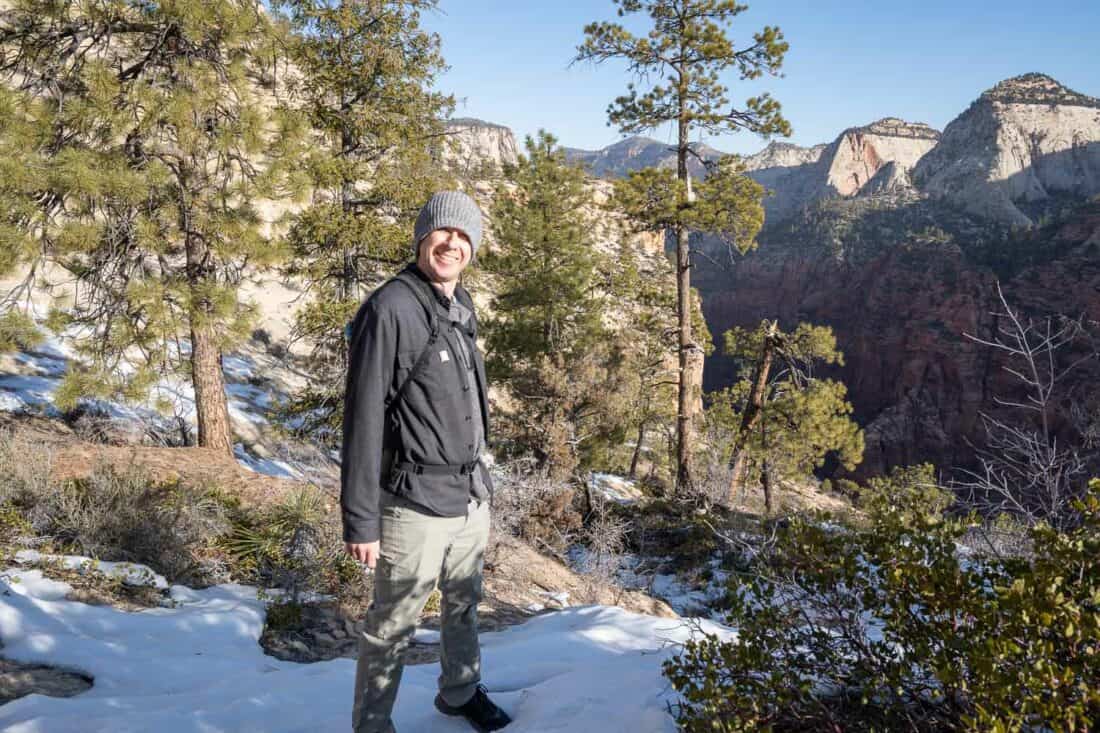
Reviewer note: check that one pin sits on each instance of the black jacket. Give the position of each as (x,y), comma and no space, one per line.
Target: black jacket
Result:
(431,425)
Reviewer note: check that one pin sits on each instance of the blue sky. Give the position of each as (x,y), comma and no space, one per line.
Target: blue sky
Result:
(850,62)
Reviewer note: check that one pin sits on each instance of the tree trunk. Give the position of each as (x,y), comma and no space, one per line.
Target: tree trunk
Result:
(210,402)
(765,474)
(753,412)
(211,406)
(637,451)
(765,481)
(684,427)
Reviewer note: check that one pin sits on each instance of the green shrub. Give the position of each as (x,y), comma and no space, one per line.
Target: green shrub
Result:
(283,615)
(295,545)
(111,514)
(888,627)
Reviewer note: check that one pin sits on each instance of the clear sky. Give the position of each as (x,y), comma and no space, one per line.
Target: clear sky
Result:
(850,62)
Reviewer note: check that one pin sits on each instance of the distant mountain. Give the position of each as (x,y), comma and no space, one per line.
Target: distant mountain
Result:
(1021,143)
(795,175)
(851,165)
(638,152)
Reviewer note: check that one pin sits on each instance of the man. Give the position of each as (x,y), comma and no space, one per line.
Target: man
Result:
(414,492)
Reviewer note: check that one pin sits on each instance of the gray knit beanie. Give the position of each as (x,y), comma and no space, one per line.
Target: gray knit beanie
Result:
(449,209)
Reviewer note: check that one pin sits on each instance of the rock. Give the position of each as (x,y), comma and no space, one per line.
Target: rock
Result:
(18,679)
(849,166)
(1021,142)
(324,638)
(478,144)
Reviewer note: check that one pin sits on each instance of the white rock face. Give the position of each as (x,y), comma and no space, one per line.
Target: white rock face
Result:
(845,167)
(890,178)
(858,154)
(475,144)
(1022,141)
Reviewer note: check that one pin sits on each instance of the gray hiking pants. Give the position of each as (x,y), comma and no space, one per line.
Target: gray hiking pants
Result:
(417,550)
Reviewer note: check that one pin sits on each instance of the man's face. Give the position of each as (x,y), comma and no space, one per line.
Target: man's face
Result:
(444,254)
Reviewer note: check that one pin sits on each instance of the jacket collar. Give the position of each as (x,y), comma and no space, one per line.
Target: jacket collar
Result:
(442,299)
(439,296)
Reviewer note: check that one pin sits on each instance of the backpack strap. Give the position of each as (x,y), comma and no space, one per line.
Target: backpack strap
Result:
(433,324)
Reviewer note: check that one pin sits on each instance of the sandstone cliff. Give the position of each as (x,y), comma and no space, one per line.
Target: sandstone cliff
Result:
(478,148)
(900,287)
(1024,141)
(799,176)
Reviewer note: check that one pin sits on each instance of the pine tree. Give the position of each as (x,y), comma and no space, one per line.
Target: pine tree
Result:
(160,137)
(364,74)
(781,420)
(688,49)
(547,342)
(22,137)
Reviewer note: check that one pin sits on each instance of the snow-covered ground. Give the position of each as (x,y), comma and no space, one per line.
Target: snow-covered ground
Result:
(614,488)
(197,667)
(635,572)
(33,377)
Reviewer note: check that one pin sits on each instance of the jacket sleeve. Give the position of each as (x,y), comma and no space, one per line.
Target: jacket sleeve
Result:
(370,373)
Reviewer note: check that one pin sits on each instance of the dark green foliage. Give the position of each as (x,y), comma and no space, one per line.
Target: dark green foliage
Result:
(18,331)
(146,147)
(366,72)
(801,418)
(294,545)
(688,38)
(547,341)
(886,626)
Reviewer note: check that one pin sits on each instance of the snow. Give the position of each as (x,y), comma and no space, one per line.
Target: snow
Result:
(687,597)
(130,573)
(616,488)
(197,667)
(42,369)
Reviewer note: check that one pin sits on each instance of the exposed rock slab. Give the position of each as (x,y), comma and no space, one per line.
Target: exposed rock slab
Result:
(1023,141)
(18,679)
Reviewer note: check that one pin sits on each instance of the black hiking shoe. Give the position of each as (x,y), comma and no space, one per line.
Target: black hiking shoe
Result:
(479,710)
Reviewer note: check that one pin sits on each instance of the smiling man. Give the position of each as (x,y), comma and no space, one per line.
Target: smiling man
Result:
(414,490)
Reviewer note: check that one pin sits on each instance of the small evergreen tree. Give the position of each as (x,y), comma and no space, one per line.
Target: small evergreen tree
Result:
(688,48)
(156,136)
(782,420)
(547,342)
(364,74)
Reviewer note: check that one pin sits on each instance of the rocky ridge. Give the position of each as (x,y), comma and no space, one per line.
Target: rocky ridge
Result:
(479,149)
(1022,143)
(845,167)
(637,152)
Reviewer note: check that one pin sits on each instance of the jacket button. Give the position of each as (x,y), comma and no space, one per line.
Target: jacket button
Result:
(471,446)
(465,389)
(467,418)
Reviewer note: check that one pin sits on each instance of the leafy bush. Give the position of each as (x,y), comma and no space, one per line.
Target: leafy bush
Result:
(887,626)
